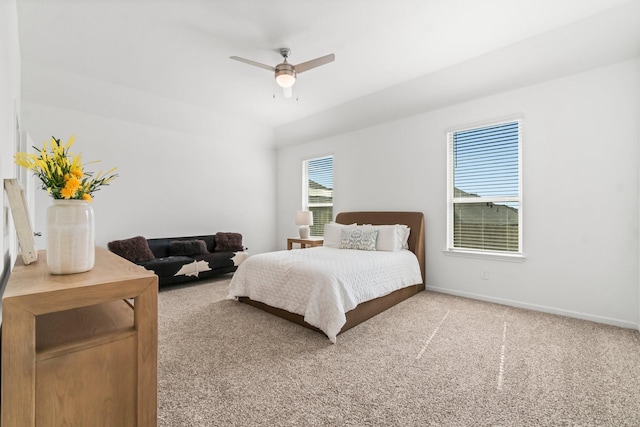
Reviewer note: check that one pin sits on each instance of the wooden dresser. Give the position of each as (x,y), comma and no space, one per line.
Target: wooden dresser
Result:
(80,349)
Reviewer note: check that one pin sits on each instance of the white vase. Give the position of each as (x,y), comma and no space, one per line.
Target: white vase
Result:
(70,237)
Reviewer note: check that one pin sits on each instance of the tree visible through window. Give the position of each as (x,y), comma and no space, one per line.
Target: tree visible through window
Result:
(318,191)
(484,185)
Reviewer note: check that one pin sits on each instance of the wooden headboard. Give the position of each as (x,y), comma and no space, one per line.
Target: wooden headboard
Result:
(414,220)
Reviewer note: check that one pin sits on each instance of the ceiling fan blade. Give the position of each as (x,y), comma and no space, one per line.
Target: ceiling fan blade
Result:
(254,63)
(304,66)
(288,91)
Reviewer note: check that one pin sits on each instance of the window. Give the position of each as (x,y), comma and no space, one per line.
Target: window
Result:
(318,191)
(484,189)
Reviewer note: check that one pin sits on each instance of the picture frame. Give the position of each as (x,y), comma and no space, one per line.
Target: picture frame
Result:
(18,205)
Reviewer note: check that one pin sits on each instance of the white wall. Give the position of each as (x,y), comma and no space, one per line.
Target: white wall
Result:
(580,167)
(183,170)
(9,120)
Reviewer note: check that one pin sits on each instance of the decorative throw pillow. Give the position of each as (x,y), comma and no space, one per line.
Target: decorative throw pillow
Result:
(188,247)
(135,249)
(229,242)
(361,238)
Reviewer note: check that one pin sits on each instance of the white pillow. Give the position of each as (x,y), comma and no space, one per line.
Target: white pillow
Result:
(361,238)
(405,239)
(333,234)
(391,238)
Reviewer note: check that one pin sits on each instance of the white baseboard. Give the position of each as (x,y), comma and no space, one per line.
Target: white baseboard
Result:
(536,307)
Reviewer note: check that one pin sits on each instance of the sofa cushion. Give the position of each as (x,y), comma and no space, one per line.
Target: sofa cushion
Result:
(172,266)
(135,249)
(188,247)
(216,259)
(229,242)
(160,246)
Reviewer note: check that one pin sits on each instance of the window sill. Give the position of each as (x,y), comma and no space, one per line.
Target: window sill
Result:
(485,255)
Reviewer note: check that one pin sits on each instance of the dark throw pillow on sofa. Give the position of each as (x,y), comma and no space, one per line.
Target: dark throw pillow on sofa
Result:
(188,247)
(135,249)
(229,242)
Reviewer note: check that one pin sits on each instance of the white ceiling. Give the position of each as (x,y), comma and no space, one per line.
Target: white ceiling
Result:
(180,49)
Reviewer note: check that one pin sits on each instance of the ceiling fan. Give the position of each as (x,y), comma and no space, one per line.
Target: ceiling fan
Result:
(285,72)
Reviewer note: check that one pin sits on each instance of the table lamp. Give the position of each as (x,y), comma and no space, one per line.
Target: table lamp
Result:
(304,219)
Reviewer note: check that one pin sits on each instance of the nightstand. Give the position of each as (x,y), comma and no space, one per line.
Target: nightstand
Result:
(309,242)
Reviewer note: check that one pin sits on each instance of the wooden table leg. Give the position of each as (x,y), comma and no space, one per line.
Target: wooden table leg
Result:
(19,352)
(146,323)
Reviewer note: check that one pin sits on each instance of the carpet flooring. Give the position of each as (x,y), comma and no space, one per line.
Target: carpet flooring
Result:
(433,360)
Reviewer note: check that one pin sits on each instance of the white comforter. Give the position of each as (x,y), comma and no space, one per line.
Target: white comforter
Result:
(322,283)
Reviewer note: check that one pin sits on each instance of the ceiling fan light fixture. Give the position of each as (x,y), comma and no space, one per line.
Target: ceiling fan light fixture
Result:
(285,75)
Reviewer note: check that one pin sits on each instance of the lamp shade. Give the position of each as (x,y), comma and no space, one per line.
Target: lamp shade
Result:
(285,78)
(304,218)
(285,74)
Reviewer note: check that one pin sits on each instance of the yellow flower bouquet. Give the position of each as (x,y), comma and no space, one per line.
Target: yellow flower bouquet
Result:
(62,173)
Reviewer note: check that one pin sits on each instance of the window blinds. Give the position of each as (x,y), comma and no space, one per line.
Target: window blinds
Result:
(484,208)
(319,192)
(486,161)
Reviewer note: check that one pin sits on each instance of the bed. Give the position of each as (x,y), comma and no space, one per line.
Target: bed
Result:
(289,284)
